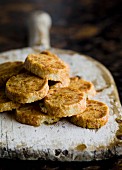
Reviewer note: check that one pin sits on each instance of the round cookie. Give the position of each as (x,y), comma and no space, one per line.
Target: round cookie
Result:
(26,88)
(83,86)
(31,114)
(95,115)
(64,102)
(47,65)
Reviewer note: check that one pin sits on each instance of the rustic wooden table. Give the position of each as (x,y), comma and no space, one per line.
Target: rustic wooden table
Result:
(88,26)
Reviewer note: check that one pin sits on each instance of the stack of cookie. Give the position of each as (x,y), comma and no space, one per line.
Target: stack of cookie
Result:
(40,90)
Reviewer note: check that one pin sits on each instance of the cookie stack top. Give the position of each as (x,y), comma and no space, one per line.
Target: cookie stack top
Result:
(43,91)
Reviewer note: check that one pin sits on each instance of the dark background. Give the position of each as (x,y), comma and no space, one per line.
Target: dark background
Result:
(92,27)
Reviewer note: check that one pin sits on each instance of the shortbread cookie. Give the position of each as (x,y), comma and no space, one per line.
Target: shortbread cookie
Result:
(31,114)
(47,65)
(8,70)
(95,115)
(5,103)
(63,102)
(83,86)
(26,88)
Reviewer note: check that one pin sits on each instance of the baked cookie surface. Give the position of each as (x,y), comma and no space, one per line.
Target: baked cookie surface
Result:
(8,70)
(5,103)
(26,88)
(31,114)
(95,116)
(47,65)
(64,102)
(83,86)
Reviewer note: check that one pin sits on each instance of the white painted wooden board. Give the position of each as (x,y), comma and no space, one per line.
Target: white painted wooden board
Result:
(64,141)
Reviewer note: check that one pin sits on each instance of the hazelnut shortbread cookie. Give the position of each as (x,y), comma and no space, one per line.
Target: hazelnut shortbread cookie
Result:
(8,70)
(63,102)
(83,86)
(26,88)
(5,103)
(31,114)
(47,65)
(95,115)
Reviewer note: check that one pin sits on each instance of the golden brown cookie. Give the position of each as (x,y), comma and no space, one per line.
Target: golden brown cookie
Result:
(8,70)
(26,88)
(5,103)
(47,65)
(63,102)
(95,115)
(83,86)
(31,114)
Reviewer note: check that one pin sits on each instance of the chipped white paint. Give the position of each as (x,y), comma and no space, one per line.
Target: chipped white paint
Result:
(44,140)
